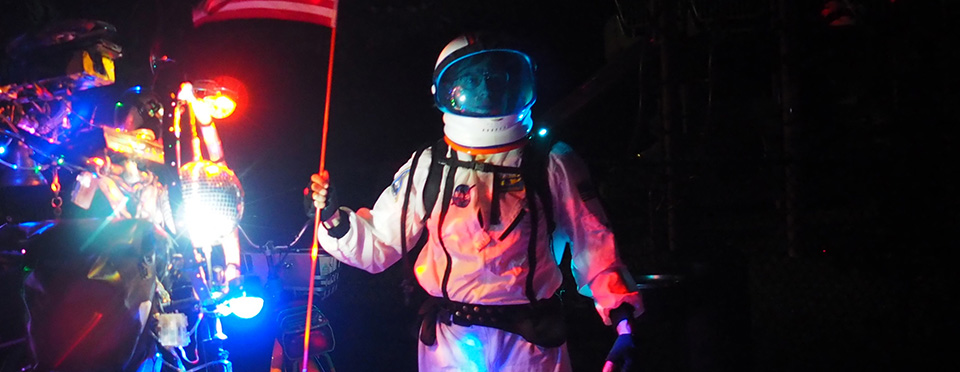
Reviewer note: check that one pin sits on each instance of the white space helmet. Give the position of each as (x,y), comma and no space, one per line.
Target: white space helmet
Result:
(485,91)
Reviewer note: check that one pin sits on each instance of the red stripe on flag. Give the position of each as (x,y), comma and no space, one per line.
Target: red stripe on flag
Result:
(323,12)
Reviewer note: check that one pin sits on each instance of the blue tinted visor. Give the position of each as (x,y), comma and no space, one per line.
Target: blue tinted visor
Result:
(490,83)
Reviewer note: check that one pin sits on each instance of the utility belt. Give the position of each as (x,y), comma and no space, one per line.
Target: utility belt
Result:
(540,323)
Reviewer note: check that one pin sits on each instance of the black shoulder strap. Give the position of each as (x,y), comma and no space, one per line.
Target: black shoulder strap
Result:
(407,284)
(406,200)
(444,207)
(431,188)
(531,252)
(533,168)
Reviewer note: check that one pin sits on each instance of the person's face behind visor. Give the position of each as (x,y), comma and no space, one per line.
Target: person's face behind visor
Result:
(494,83)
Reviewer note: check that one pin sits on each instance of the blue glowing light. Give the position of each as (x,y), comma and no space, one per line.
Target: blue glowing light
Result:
(542,132)
(136,88)
(3,149)
(42,229)
(473,351)
(83,109)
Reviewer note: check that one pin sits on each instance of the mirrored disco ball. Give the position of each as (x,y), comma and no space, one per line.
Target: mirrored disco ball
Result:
(212,199)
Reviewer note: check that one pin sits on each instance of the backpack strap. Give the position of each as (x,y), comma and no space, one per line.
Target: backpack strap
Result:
(408,282)
(406,200)
(531,250)
(444,208)
(431,188)
(479,166)
(431,191)
(533,168)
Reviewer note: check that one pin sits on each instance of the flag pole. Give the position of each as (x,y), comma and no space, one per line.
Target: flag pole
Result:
(315,248)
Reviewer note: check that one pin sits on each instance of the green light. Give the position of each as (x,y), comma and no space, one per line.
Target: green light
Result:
(60,161)
(36,169)
(119,104)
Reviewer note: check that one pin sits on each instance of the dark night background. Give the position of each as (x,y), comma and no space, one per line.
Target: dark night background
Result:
(794,181)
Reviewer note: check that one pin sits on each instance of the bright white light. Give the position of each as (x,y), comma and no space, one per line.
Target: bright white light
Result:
(219,329)
(186,92)
(245,307)
(206,226)
(224,309)
(202,111)
(85,178)
(542,132)
(213,201)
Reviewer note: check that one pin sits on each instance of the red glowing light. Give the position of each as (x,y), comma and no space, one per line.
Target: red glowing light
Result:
(236,91)
(83,334)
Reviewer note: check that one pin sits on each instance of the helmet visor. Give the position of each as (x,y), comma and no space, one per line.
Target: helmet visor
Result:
(486,84)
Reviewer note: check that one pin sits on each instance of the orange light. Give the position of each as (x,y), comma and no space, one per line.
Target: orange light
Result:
(212,169)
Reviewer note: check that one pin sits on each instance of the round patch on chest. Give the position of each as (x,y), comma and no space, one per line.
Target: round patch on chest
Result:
(461,196)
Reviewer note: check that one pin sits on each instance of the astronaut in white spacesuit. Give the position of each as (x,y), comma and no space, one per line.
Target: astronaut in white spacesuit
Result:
(496,229)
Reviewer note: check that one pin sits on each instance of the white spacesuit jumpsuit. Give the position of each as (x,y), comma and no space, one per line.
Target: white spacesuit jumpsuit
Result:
(489,260)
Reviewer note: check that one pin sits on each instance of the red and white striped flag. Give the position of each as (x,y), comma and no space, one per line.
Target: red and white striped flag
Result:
(322,12)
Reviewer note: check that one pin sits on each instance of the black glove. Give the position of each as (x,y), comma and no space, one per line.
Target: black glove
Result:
(328,210)
(308,207)
(341,227)
(622,352)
